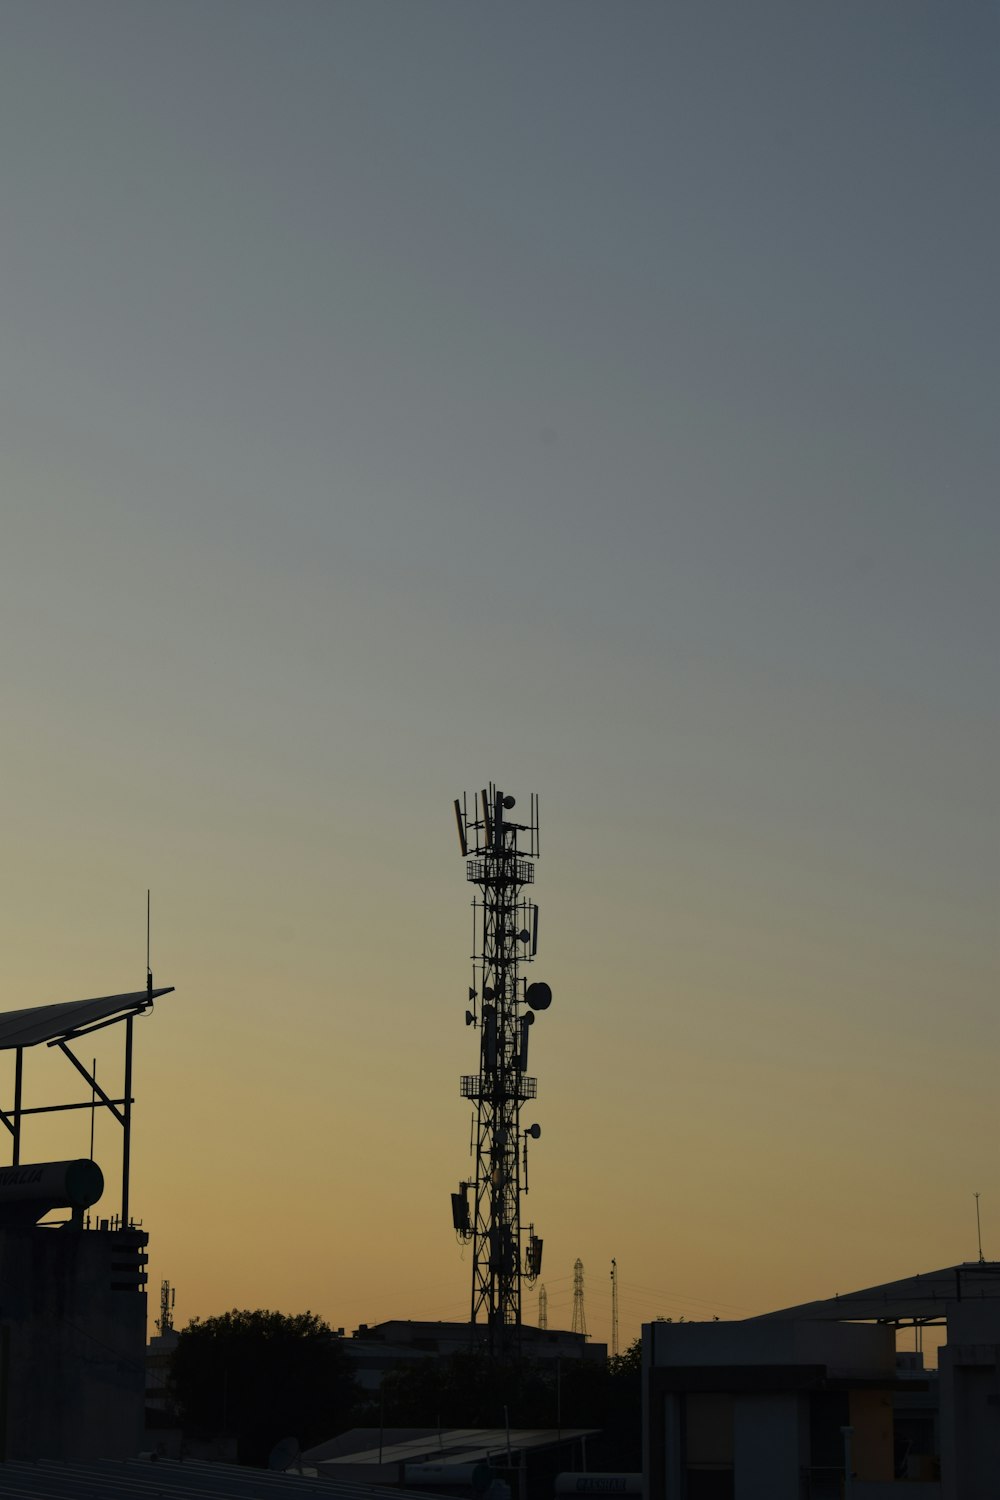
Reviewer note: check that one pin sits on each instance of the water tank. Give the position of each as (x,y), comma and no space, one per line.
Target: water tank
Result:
(31,1190)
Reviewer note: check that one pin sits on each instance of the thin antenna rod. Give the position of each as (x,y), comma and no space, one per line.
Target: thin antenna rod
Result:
(149,972)
(979,1231)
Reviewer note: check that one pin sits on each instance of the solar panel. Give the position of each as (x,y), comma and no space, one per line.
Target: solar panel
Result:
(46,1023)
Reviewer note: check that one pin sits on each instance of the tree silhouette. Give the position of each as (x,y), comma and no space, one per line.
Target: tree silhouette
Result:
(261,1376)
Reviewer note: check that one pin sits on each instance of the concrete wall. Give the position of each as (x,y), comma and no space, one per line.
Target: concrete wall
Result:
(970,1430)
(770,1446)
(846,1349)
(742,1397)
(72,1331)
(872,1455)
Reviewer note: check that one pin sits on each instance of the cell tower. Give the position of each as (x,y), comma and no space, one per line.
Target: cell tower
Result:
(614,1309)
(498,854)
(168,1296)
(543,1308)
(579,1324)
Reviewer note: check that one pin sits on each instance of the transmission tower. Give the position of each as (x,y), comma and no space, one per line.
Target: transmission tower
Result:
(503,1006)
(579,1324)
(543,1308)
(614,1308)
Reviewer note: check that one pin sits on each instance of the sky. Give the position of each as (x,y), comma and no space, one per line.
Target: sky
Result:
(599,399)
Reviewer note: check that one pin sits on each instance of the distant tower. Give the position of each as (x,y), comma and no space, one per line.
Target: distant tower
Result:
(505,935)
(579,1324)
(614,1309)
(543,1308)
(168,1296)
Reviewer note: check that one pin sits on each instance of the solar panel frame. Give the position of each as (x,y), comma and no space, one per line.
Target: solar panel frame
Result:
(49,1023)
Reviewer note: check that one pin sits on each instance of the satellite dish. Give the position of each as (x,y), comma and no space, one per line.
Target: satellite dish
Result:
(534,1131)
(284,1454)
(488,992)
(508,803)
(538,996)
(524,935)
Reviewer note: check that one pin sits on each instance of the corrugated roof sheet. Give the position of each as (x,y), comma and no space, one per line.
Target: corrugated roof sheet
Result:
(145,1479)
(44,1023)
(456,1444)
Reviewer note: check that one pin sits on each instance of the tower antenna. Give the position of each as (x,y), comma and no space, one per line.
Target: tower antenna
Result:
(498,854)
(614,1308)
(149,972)
(979,1231)
(543,1307)
(579,1324)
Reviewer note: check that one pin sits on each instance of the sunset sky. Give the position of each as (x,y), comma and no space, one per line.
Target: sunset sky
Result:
(596,398)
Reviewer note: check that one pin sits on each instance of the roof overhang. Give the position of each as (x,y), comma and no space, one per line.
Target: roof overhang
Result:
(924,1298)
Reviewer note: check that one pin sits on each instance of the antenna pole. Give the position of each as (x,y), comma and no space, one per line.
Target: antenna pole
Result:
(979,1231)
(614,1309)
(149,972)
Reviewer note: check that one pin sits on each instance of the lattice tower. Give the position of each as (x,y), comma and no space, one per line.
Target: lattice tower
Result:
(579,1324)
(543,1308)
(499,856)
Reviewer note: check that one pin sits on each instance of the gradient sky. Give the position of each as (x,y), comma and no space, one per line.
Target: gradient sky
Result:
(600,399)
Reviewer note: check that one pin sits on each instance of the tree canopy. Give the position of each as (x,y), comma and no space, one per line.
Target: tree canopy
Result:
(262,1376)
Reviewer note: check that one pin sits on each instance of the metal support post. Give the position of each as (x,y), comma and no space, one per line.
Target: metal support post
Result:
(127,1120)
(18,1080)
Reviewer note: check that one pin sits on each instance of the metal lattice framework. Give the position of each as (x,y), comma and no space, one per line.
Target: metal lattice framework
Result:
(499,854)
(58,1025)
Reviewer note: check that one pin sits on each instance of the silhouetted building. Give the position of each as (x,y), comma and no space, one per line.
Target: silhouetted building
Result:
(72,1293)
(385,1346)
(74,1325)
(788,1404)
